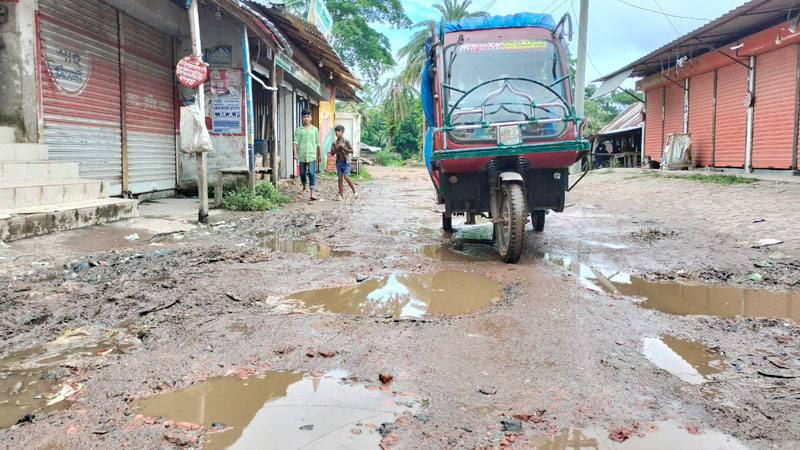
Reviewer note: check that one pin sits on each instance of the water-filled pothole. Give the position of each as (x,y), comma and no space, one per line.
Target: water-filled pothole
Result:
(459,252)
(406,295)
(293,243)
(282,410)
(39,378)
(664,436)
(685,299)
(689,360)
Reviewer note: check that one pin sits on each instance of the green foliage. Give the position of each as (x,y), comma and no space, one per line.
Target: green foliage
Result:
(271,193)
(387,158)
(243,199)
(361,176)
(713,178)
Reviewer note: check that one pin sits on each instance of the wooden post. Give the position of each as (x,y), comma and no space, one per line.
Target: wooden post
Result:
(197,49)
(273,149)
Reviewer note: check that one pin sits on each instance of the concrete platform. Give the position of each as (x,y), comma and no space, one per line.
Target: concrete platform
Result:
(22,223)
(7,135)
(23,194)
(12,171)
(23,152)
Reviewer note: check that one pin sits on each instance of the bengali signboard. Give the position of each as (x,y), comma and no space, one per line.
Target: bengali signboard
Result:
(319,15)
(191,71)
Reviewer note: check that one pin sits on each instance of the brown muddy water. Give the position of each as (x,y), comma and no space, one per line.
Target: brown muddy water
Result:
(663,436)
(38,379)
(686,299)
(282,410)
(293,243)
(689,360)
(406,295)
(459,252)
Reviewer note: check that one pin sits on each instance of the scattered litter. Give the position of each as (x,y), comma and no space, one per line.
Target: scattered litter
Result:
(67,391)
(233,296)
(360,278)
(98,263)
(132,237)
(766,243)
(371,183)
(241,244)
(105,352)
(307,427)
(512,425)
(81,267)
(40,264)
(620,434)
(759,220)
(3,244)
(764,263)
(385,377)
(755,276)
(488,390)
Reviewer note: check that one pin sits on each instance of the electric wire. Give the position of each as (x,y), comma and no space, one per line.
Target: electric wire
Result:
(667,17)
(661,12)
(591,61)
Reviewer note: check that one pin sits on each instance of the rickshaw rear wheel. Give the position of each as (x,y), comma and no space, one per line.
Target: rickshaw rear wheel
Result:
(510,228)
(537,218)
(447,223)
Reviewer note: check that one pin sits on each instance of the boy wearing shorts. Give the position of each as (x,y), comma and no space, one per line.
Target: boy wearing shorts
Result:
(343,150)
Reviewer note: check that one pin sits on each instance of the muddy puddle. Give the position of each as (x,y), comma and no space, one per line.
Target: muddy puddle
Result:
(689,360)
(406,295)
(685,299)
(415,231)
(284,409)
(40,378)
(657,436)
(459,252)
(293,243)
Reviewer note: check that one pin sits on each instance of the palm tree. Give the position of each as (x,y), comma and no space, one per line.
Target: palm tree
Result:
(414,51)
(397,97)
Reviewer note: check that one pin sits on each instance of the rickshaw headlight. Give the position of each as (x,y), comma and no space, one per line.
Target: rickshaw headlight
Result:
(557,176)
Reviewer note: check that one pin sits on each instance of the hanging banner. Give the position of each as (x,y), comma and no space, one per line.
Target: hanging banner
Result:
(191,71)
(319,15)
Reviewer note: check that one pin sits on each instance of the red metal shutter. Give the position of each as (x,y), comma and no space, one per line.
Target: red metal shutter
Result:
(80,86)
(673,110)
(147,69)
(654,102)
(773,116)
(701,113)
(731,123)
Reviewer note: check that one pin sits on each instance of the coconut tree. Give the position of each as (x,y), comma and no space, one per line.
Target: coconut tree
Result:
(414,51)
(396,96)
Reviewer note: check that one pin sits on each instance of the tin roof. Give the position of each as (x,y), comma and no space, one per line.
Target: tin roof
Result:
(738,23)
(306,36)
(627,120)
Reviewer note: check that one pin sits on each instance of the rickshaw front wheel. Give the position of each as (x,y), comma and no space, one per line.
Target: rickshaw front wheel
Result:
(510,227)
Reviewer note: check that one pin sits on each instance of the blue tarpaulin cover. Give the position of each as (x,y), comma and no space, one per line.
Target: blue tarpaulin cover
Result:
(511,21)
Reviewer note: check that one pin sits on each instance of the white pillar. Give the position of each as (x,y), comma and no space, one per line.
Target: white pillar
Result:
(202,174)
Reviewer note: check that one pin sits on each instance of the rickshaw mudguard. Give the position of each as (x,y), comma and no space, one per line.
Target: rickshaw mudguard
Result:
(517,150)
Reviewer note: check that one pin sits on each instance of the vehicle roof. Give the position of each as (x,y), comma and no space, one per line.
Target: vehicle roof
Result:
(518,20)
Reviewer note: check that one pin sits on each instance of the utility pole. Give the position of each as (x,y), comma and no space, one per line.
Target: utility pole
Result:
(197,49)
(580,75)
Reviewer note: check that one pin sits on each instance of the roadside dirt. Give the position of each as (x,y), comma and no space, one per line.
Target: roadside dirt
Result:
(549,353)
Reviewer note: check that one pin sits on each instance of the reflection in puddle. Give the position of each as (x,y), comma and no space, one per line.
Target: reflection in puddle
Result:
(683,299)
(690,361)
(272,408)
(668,436)
(415,232)
(608,245)
(409,295)
(459,252)
(297,244)
(32,379)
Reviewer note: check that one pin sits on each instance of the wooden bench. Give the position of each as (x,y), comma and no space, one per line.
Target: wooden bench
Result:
(237,172)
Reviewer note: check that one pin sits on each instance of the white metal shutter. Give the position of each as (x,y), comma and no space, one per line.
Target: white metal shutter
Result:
(79,58)
(147,74)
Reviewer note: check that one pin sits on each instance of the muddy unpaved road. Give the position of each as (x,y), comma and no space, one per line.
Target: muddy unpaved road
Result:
(631,318)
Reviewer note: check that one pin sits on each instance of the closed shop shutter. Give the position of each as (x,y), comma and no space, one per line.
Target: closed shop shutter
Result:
(149,107)
(773,115)
(731,118)
(81,86)
(673,110)
(654,102)
(701,114)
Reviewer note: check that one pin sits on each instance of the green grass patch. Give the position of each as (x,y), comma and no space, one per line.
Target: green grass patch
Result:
(362,176)
(266,196)
(387,158)
(714,178)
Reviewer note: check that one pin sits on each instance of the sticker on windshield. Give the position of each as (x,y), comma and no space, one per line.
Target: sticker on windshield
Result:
(522,44)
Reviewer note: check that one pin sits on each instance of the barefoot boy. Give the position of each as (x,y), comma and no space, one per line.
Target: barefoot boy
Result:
(343,150)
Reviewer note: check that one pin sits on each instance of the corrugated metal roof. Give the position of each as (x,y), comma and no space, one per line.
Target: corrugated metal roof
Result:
(630,119)
(743,21)
(306,36)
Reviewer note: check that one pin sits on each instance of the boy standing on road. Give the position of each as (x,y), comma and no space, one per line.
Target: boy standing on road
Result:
(307,150)
(343,150)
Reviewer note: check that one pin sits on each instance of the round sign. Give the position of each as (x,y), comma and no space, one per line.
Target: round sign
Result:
(191,71)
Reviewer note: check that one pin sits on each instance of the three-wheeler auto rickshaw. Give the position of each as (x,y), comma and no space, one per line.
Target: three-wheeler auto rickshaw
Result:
(498,100)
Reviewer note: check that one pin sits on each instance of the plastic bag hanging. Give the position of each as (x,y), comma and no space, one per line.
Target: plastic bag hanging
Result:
(194,134)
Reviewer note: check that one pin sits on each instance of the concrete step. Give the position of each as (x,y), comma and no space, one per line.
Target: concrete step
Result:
(22,194)
(11,171)
(23,152)
(7,135)
(35,221)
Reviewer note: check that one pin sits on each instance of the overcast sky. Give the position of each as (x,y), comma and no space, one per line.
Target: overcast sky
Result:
(618,33)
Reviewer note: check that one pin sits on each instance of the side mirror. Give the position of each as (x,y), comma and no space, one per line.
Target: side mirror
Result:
(561,28)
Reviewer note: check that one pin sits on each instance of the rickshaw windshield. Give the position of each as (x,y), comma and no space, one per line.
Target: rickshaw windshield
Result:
(476,62)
